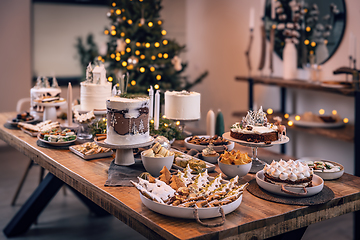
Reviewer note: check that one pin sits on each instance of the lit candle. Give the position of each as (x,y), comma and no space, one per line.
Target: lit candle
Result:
(151,107)
(252,18)
(69,99)
(157,110)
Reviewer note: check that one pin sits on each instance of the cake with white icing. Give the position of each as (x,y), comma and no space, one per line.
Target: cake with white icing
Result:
(95,90)
(182,105)
(41,90)
(127,120)
(255,128)
(291,173)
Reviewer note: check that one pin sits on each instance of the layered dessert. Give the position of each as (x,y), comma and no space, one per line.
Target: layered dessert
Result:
(255,128)
(127,120)
(288,173)
(43,92)
(182,105)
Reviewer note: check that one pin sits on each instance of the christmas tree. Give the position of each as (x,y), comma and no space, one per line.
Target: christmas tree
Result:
(138,44)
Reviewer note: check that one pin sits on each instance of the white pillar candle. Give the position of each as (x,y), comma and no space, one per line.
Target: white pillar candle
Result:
(252,18)
(210,123)
(350,44)
(157,110)
(69,99)
(354,47)
(151,107)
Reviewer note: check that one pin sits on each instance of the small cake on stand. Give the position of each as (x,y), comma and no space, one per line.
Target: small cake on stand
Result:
(182,106)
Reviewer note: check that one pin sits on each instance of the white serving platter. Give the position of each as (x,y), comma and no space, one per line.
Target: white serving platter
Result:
(318,184)
(56,143)
(201,147)
(209,166)
(325,175)
(301,123)
(90,156)
(183,212)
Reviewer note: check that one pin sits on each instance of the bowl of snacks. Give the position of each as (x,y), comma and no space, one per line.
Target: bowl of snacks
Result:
(209,154)
(155,158)
(325,169)
(234,163)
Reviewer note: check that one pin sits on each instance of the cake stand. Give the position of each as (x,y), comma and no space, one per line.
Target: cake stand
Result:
(50,109)
(184,133)
(124,153)
(257,164)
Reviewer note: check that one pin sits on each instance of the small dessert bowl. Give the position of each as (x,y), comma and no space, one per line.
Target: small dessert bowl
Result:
(211,158)
(153,165)
(231,170)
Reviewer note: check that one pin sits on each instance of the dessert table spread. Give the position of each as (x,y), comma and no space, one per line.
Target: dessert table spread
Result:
(256,218)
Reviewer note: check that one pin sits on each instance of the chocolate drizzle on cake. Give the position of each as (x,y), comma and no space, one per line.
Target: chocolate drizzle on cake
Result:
(125,125)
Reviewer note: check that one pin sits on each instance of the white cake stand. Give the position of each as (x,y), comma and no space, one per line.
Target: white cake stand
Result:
(124,153)
(50,109)
(182,125)
(257,164)
(96,111)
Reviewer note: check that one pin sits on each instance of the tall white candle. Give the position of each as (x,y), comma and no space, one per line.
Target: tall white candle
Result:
(69,99)
(252,18)
(350,44)
(210,123)
(151,107)
(157,110)
(354,47)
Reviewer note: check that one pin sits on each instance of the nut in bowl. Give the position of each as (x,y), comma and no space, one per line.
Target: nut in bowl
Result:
(155,158)
(234,163)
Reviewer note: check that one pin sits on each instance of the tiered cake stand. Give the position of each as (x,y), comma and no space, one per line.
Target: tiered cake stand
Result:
(124,153)
(257,164)
(50,110)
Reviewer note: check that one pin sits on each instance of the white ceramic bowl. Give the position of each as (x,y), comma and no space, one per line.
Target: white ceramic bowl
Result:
(325,175)
(211,159)
(153,165)
(318,184)
(233,170)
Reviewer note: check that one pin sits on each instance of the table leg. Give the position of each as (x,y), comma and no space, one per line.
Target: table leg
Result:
(29,212)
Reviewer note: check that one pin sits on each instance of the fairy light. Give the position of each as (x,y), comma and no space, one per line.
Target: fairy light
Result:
(133,82)
(152,121)
(124,18)
(274,26)
(163,32)
(127,40)
(128,49)
(124,64)
(156,86)
(158,77)
(157,44)
(160,55)
(122,52)
(106,32)
(129,21)
(110,79)
(150,24)
(334,112)
(152,69)
(113,4)
(118,11)
(165,42)
(99,58)
(111,11)
(297,117)
(313,44)
(166,55)
(321,111)
(142,56)
(308,29)
(177,123)
(122,34)
(290,123)
(103,60)
(305,10)
(138,44)
(270,111)
(153,57)
(166,125)
(286,115)
(130,67)
(117,58)
(311,52)
(159,22)
(346,120)
(142,69)
(112,56)
(113,32)
(104,119)
(137,52)
(326,41)
(147,45)
(306,42)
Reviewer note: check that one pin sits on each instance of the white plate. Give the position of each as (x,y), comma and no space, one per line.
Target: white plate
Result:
(209,166)
(90,156)
(16,123)
(96,111)
(201,147)
(227,136)
(325,175)
(56,143)
(33,134)
(183,212)
(318,184)
(302,123)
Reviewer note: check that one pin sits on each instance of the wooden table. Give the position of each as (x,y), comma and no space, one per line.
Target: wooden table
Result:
(255,218)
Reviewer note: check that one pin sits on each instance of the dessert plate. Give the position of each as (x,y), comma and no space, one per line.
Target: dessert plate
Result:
(227,136)
(56,143)
(201,147)
(302,123)
(90,156)
(183,212)
(322,174)
(318,184)
(209,166)
(16,123)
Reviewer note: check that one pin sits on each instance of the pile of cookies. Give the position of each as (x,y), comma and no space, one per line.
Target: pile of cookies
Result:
(157,151)
(90,148)
(43,126)
(215,140)
(234,158)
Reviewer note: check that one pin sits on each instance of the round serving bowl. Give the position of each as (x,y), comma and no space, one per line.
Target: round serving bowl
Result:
(154,165)
(210,159)
(234,170)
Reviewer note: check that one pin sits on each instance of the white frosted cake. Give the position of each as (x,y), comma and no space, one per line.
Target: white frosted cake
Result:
(93,96)
(182,105)
(127,120)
